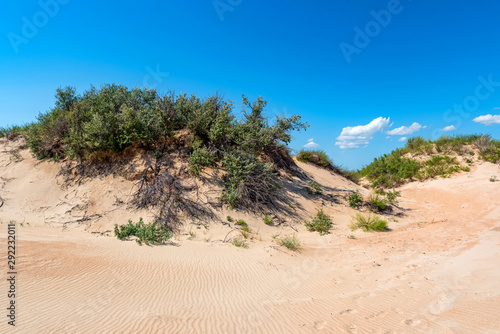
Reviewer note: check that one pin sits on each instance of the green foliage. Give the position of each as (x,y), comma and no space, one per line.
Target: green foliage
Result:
(229,219)
(290,242)
(378,202)
(314,188)
(316,157)
(154,233)
(392,197)
(368,223)
(248,181)
(493,178)
(440,165)
(390,170)
(354,198)
(239,243)
(199,159)
(14,131)
(267,220)
(321,223)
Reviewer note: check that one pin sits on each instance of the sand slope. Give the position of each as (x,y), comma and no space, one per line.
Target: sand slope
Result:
(436,271)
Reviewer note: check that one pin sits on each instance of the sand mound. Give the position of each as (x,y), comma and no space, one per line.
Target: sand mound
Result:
(435,271)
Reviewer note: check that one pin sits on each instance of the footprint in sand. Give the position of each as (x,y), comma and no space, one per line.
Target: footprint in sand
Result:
(443,303)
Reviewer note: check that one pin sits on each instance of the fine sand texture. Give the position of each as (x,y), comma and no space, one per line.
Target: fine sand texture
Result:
(437,270)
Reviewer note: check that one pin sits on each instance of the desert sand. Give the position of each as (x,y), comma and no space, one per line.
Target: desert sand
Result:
(437,269)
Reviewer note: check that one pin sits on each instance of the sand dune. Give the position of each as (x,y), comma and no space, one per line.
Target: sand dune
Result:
(436,271)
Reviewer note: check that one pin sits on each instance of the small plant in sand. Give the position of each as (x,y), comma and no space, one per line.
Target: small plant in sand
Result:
(267,220)
(239,243)
(351,236)
(229,219)
(314,188)
(392,197)
(154,233)
(377,202)
(321,223)
(354,198)
(369,222)
(192,235)
(290,242)
(493,178)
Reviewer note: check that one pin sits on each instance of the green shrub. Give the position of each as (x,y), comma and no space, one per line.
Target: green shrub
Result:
(392,197)
(248,182)
(239,243)
(390,170)
(314,188)
(321,223)
(199,159)
(229,219)
(154,233)
(290,242)
(368,223)
(378,202)
(354,198)
(316,157)
(267,220)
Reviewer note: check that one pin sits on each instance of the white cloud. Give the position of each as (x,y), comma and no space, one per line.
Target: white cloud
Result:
(449,128)
(405,130)
(356,136)
(487,119)
(311,143)
(402,139)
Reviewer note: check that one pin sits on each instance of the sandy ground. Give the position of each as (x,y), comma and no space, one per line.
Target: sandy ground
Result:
(436,271)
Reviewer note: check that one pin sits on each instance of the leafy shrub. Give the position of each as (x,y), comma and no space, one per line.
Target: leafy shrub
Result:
(199,159)
(321,223)
(368,223)
(290,242)
(390,170)
(267,220)
(314,188)
(248,182)
(354,198)
(392,197)
(316,157)
(239,243)
(378,202)
(154,233)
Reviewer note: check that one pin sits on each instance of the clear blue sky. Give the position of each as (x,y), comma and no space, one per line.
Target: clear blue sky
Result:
(411,66)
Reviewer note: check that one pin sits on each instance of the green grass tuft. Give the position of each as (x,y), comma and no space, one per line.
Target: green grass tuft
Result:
(368,223)
(321,223)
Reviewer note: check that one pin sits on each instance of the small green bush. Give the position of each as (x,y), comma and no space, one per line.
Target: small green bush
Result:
(314,188)
(316,157)
(321,223)
(378,202)
(267,220)
(392,197)
(354,198)
(290,242)
(239,243)
(199,159)
(154,233)
(368,223)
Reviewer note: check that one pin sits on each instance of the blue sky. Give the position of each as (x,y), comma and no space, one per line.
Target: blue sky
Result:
(364,74)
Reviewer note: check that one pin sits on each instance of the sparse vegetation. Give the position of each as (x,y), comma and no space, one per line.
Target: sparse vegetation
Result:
(354,198)
(239,243)
(290,242)
(153,233)
(316,157)
(321,223)
(267,220)
(314,188)
(493,178)
(378,202)
(229,219)
(394,169)
(368,222)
